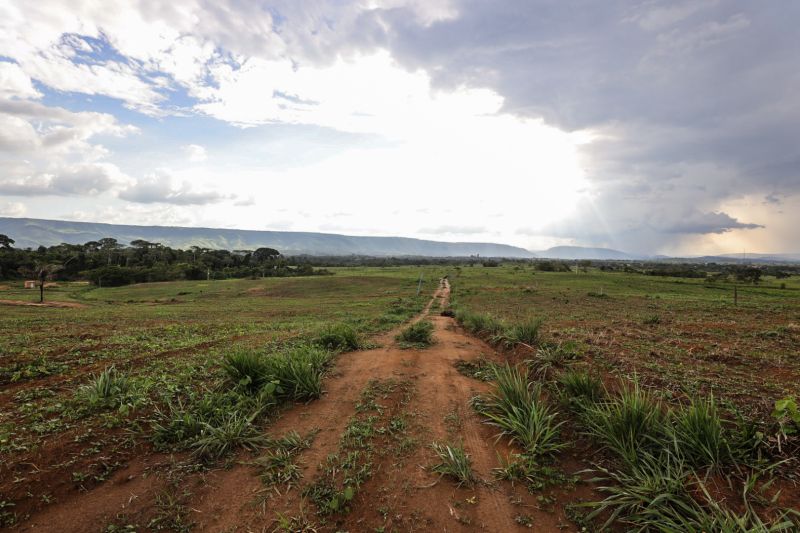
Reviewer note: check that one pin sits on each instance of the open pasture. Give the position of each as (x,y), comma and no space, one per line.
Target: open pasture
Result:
(683,335)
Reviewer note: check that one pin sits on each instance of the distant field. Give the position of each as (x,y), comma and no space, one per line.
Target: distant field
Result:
(684,335)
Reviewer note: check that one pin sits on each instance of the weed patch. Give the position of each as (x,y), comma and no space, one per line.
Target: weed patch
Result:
(417,335)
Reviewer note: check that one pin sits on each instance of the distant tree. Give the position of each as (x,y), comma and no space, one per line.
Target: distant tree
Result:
(41,272)
(6,241)
(262,255)
(109,245)
(748,275)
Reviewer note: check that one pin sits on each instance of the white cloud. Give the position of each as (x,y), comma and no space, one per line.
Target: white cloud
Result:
(12,209)
(14,83)
(195,153)
(159,188)
(87,179)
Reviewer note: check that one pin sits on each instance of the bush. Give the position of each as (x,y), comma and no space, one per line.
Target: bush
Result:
(417,334)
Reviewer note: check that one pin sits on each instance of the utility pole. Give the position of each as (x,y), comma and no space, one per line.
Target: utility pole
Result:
(419,285)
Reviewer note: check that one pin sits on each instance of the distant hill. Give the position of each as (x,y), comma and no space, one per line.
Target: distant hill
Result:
(580,252)
(30,232)
(746,259)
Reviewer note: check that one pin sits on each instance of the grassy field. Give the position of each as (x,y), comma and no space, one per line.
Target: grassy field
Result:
(167,340)
(662,387)
(684,335)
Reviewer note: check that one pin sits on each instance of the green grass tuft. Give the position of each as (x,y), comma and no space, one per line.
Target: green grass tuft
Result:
(580,388)
(626,423)
(418,334)
(519,410)
(453,462)
(340,338)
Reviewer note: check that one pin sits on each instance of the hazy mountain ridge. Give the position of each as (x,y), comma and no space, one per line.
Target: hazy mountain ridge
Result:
(28,232)
(582,252)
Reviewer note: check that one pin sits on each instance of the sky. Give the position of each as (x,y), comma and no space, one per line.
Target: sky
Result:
(658,127)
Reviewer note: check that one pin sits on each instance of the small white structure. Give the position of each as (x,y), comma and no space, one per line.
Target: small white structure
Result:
(31,284)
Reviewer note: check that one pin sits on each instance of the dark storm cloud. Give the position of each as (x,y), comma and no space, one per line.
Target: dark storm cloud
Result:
(695,103)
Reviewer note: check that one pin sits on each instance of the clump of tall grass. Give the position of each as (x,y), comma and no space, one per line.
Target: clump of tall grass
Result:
(626,423)
(525,333)
(296,373)
(518,408)
(453,462)
(299,371)
(642,492)
(340,337)
(181,423)
(698,429)
(579,388)
(109,389)
(419,334)
(661,492)
(247,369)
(552,355)
(480,323)
(232,431)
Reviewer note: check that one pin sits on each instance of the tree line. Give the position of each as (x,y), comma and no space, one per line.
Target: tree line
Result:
(107,262)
